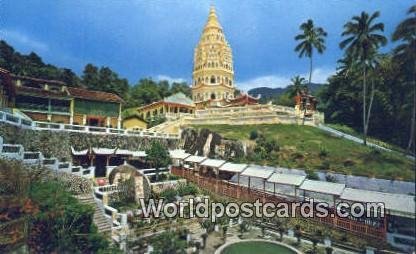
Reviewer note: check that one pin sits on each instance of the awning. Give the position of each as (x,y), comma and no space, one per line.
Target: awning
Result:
(287,179)
(323,187)
(214,163)
(138,154)
(233,167)
(123,152)
(103,151)
(398,204)
(195,159)
(256,171)
(79,153)
(178,154)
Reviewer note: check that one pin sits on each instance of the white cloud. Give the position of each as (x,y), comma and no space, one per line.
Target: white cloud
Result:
(17,37)
(319,75)
(170,79)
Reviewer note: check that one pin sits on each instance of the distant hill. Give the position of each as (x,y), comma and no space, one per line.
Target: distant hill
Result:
(268,93)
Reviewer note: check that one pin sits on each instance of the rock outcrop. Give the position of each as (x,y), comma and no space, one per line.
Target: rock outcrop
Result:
(207,143)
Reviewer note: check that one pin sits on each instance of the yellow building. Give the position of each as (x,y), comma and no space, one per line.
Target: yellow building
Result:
(134,122)
(170,107)
(213,73)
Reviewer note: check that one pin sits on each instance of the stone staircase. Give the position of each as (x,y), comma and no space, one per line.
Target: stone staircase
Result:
(100,220)
(170,126)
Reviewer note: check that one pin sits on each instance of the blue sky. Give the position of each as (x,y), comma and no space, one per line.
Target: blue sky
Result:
(156,38)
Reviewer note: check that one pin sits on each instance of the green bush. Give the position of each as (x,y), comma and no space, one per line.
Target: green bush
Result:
(169,194)
(187,189)
(254,134)
(311,174)
(323,152)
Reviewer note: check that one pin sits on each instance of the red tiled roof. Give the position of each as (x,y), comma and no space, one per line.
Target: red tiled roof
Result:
(93,95)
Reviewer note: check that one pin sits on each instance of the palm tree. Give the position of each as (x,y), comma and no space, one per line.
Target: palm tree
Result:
(298,84)
(311,38)
(362,43)
(405,54)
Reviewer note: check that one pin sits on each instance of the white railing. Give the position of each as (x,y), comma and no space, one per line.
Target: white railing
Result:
(35,125)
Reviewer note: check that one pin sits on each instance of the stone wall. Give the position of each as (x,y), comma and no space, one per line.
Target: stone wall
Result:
(207,143)
(58,143)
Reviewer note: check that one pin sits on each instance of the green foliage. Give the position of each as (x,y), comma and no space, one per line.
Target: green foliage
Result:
(32,65)
(300,147)
(158,156)
(156,120)
(187,189)
(323,152)
(147,91)
(311,174)
(125,196)
(253,134)
(63,224)
(169,194)
(168,242)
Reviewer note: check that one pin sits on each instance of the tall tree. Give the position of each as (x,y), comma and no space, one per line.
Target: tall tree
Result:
(298,84)
(362,43)
(158,156)
(311,38)
(90,76)
(405,54)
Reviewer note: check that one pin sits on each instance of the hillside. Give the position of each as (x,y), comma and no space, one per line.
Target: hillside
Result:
(311,148)
(268,93)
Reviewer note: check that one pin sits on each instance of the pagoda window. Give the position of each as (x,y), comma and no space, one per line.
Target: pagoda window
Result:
(212,79)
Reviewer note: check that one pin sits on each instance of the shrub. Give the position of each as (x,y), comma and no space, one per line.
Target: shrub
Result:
(254,134)
(169,194)
(325,165)
(187,189)
(312,175)
(349,163)
(330,178)
(323,152)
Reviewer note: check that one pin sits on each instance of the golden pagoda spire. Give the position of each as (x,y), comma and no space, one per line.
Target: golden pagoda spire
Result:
(212,19)
(213,72)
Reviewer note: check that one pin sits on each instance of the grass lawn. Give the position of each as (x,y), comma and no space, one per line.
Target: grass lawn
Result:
(311,148)
(256,247)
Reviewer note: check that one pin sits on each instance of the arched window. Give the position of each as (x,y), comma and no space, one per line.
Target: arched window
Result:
(231,83)
(213,96)
(212,79)
(218,79)
(209,65)
(206,79)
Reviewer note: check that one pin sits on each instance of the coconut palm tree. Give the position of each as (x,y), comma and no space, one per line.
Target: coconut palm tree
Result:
(362,42)
(311,38)
(405,54)
(298,84)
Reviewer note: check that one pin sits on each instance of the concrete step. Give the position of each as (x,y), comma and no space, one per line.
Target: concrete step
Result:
(100,220)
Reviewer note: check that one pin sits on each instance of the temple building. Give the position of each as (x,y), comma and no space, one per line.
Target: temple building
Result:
(169,107)
(213,72)
(53,101)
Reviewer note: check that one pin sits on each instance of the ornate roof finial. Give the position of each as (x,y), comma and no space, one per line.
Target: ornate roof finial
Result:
(212,18)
